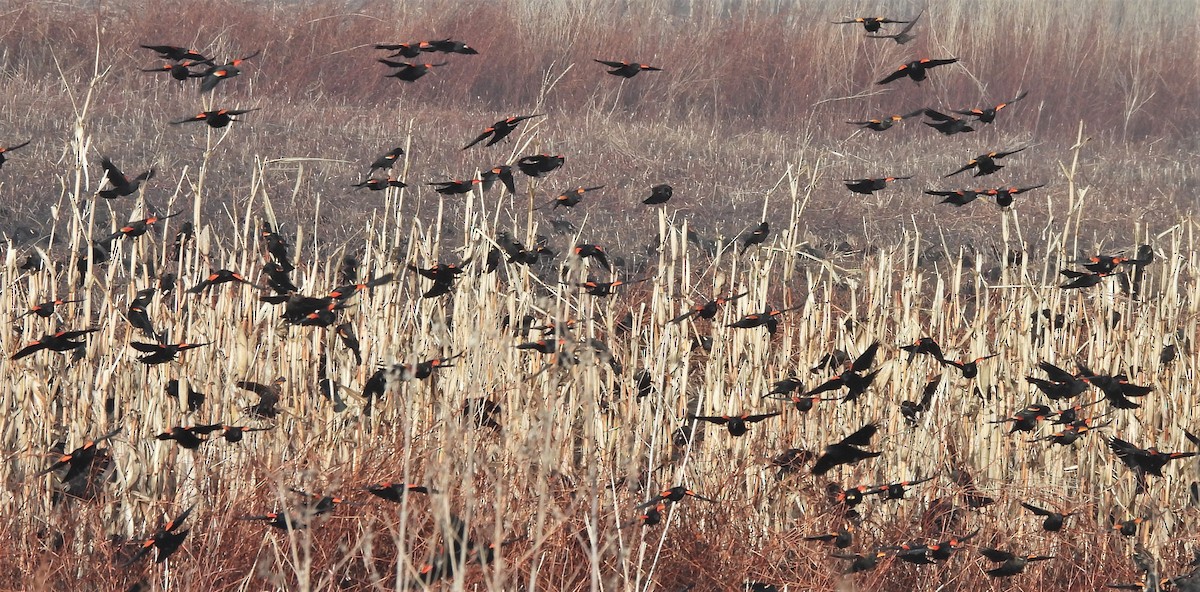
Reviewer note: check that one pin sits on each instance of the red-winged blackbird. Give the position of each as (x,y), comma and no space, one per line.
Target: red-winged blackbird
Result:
(651,517)
(958,197)
(916,69)
(161,352)
(1053,520)
(166,539)
(1004,195)
(232,434)
(895,491)
(539,164)
(586,250)
(626,69)
(448,45)
(409,72)
(853,379)
(137,315)
(912,410)
(913,553)
(1126,528)
(280,520)
(499,130)
(1080,279)
(970,369)
(345,332)
(179,71)
(1060,384)
(985,164)
(674,494)
(403,50)
(421,370)
(947,124)
(187,437)
(1116,388)
(456,187)
(755,237)
(220,276)
(46,309)
(841,539)
(214,75)
(905,35)
(395,492)
(736,424)
(120,185)
(60,342)
(1025,420)
(345,292)
(1102,263)
(1148,461)
(268,394)
(502,173)
(942,550)
(870,23)
(217,118)
(571,198)
(79,460)
(603,289)
(192,398)
(768,318)
(177,54)
(279,278)
(860,563)
(545,346)
(707,310)
(869,186)
(1010,563)
(380,184)
(886,123)
(1074,431)
(137,228)
(387,160)
(6,149)
(847,451)
(791,460)
(182,236)
(988,114)
(659,194)
(927,346)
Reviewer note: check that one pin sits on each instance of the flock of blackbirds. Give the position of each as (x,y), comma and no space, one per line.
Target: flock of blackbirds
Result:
(82,471)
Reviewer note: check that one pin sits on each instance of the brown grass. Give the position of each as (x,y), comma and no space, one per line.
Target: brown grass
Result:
(745,122)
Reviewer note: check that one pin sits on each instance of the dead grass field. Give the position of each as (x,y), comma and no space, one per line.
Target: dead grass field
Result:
(746,122)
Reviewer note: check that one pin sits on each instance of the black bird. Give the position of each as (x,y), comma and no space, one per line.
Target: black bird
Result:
(1010,563)
(924,345)
(947,124)
(853,379)
(120,185)
(626,69)
(1004,195)
(1053,520)
(161,352)
(869,186)
(1081,279)
(870,23)
(970,369)
(179,71)
(502,173)
(448,46)
(137,315)
(345,332)
(659,194)
(912,410)
(539,164)
(958,197)
(674,494)
(707,310)
(79,460)
(499,130)
(860,563)
(847,451)
(395,492)
(46,309)
(916,69)
(1059,384)
(736,424)
(985,164)
(1116,388)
